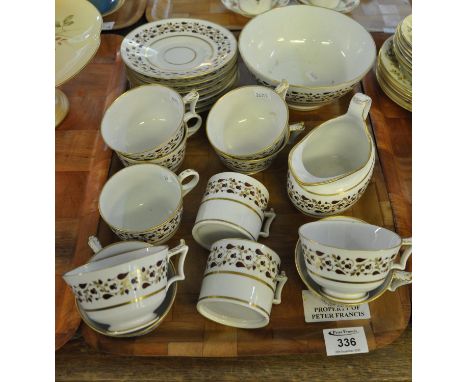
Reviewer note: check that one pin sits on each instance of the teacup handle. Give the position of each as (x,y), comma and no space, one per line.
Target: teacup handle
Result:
(192,98)
(280,281)
(405,256)
(360,105)
(282,88)
(294,130)
(187,187)
(181,250)
(269,217)
(399,278)
(94,244)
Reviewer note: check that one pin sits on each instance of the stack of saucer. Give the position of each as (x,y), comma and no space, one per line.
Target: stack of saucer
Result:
(184,54)
(394,65)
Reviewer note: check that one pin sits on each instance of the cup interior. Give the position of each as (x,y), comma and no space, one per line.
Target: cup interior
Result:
(247,120)
(142,119)
(350,235)
(319,47)
(337,147)
(140,197)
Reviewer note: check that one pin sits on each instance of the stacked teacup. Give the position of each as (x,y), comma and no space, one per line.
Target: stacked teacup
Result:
(120,291)
(248,127)
(149,124)
(242,277)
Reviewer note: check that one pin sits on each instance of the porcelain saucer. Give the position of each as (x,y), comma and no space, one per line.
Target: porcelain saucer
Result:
(161,312)
(393,281)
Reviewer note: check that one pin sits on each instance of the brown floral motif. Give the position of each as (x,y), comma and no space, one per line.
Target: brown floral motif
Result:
(307,99)
(246,167)
(172,162)
(242,256)
(320,207)
(60,29)
(163,150)
(346,266)
(134,50)
(236,187)
(120,285)
(157,235)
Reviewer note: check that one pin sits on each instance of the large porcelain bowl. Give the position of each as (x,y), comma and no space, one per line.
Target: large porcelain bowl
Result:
(323,54)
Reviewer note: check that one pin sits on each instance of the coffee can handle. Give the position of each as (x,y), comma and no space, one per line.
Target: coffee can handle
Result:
(181,250)
(399,278)
(269,217)
(280,281)
(94,244)
(192,98)
(405,256)
(294,130)
(282,88)
(187,187)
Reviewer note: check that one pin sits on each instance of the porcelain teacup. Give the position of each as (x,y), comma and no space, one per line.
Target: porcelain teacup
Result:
(348,259)
(233,206)
(332,4)
(149,121)
(251,8)
(144,202)
(249,122)
(242,280)
(124,290)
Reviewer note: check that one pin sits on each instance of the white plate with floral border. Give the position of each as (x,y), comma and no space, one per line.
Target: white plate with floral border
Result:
(178,48)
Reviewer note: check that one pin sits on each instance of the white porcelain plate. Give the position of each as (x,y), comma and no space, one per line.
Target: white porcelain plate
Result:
(77,37)
(178,48)
(389,62)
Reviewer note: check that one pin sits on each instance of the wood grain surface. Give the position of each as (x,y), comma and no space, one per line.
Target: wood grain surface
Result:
(129,14)
(81,168)
(392,129)
(186,333)
(76,361)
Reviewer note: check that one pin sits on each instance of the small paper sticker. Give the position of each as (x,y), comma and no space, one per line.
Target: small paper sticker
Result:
(263,95)
(107,26)
(317,309)
(342,341)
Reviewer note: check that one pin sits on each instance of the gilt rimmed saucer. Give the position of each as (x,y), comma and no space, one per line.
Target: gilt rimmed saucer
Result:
(315,288)
(175,49)
(160,313)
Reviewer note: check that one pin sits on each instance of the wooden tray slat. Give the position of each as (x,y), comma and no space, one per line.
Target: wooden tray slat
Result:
(81,168)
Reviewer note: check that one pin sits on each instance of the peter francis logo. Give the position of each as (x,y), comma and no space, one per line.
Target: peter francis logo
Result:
(342,332)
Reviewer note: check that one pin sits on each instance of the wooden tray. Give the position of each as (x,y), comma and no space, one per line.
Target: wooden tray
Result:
(186,333)
(81,168)
(129,14)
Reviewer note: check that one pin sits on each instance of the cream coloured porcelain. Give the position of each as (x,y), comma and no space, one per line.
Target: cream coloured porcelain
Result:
(337,155)
(171,161)
(242,280)
(322,54)
(233,206)
(144,202)
(249,122)
(110,250)
(348,259)
(252,8)
(148,122)
(343,6)
(123,291)
(178,48)
(77,37)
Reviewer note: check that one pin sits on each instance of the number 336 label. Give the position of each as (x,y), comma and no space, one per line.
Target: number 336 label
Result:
(342,341)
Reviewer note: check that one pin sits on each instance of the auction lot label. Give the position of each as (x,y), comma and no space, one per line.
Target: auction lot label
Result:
(342,341)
